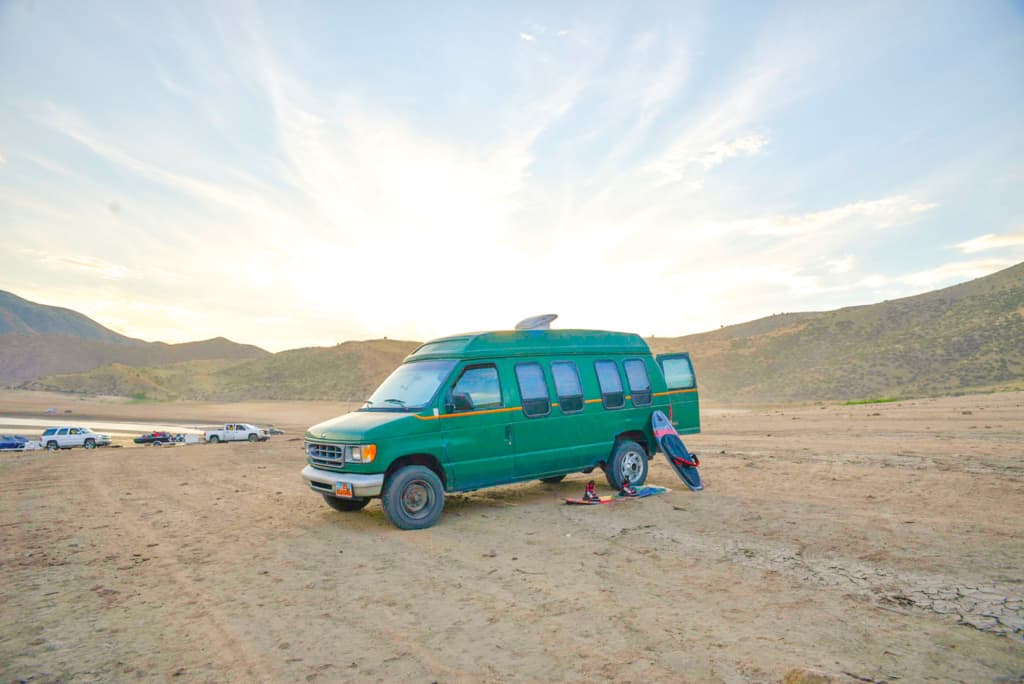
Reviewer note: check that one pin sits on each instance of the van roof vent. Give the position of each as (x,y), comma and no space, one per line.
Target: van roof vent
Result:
(542,322)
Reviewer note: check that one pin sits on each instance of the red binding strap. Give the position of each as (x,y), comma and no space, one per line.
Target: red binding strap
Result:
(682,461)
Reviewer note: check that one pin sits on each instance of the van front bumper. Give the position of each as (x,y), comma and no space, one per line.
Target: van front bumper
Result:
(326,482)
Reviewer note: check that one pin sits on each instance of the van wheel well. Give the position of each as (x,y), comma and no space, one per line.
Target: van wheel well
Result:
(420,460)
(635,436)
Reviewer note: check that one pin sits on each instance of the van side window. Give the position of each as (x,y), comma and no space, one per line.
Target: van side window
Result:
(567,386)
(533,389)
(611,384)
(477,388)
(639,383)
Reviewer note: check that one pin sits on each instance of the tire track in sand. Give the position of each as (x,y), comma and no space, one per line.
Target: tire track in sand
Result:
(212,624)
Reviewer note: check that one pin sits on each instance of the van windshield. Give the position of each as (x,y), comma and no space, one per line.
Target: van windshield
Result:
(410,387)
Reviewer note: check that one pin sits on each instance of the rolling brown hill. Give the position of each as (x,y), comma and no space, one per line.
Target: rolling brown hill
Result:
(964,338)
(347,372)
(37,340)
(21,316)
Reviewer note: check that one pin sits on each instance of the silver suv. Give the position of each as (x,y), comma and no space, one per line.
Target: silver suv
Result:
(68,437)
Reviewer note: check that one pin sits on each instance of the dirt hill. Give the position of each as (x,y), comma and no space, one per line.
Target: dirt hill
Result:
(965,338)
(38,340)
(345,372)
(21,316)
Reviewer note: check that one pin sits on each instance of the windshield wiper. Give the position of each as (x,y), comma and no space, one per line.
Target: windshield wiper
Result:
(400,402)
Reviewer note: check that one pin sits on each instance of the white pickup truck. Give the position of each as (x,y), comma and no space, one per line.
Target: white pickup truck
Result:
(236,432)
(68,437)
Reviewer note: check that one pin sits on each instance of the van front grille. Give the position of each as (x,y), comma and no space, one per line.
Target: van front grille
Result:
(330,456)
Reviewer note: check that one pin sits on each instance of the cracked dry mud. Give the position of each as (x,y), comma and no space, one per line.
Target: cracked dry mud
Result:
(877,543)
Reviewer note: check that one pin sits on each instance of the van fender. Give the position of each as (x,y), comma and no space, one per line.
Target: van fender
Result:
(421,459)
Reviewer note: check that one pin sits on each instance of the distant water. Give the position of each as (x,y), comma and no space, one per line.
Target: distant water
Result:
(35,426)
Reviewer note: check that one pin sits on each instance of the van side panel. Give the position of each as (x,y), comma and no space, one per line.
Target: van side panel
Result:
(559,441)
(568,442)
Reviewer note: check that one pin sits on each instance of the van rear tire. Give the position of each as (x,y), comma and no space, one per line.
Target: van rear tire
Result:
(413,497)
(628,461)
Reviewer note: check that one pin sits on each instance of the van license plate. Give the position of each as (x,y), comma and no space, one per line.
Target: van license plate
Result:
(343,489)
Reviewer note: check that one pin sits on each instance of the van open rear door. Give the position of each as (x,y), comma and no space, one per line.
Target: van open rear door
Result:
(681,384)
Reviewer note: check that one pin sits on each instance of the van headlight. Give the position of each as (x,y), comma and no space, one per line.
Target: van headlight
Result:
(364,453)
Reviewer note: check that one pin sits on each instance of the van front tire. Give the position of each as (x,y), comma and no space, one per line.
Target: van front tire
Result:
(357,503)
(413,497)
(628,462)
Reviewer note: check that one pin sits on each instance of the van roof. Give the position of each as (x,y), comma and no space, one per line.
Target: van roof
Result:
(530,343)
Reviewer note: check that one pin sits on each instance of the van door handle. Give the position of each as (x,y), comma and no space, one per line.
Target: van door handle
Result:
(508,435)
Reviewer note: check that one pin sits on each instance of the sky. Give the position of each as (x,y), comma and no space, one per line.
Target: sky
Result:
(303,173)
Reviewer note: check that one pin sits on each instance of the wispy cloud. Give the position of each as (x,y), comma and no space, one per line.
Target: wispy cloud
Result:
(877,214)
(843,265)
(528,37)
(76,262)
(940,276)
(172,86)
(247,200)
(3,159)
(716,154)
(991,241)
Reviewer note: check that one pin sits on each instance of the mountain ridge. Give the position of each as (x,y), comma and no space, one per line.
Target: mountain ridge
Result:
(962,338)
(38,340)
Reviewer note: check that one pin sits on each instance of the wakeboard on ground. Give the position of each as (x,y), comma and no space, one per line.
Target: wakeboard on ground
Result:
(682,461)
(641,493)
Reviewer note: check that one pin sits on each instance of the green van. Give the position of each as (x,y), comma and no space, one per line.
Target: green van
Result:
(484,409)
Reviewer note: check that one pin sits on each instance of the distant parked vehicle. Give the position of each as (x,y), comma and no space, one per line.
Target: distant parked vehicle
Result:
(236,432)
(12,442)
(70,437)
(156,438)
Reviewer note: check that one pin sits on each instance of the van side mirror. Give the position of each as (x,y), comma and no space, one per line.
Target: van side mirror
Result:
(461,402)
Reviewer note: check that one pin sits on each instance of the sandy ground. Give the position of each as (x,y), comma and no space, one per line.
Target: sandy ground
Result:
(878,543)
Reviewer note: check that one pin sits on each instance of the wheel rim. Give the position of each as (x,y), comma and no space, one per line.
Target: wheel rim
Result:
(417,498)
(90,445)
(632,466)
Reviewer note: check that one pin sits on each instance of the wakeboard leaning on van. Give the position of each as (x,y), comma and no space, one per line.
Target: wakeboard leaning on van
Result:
(641,493)
(682,461)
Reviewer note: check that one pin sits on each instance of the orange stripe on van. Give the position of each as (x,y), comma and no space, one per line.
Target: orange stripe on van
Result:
(682,391)
(554,405)
(470,413)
